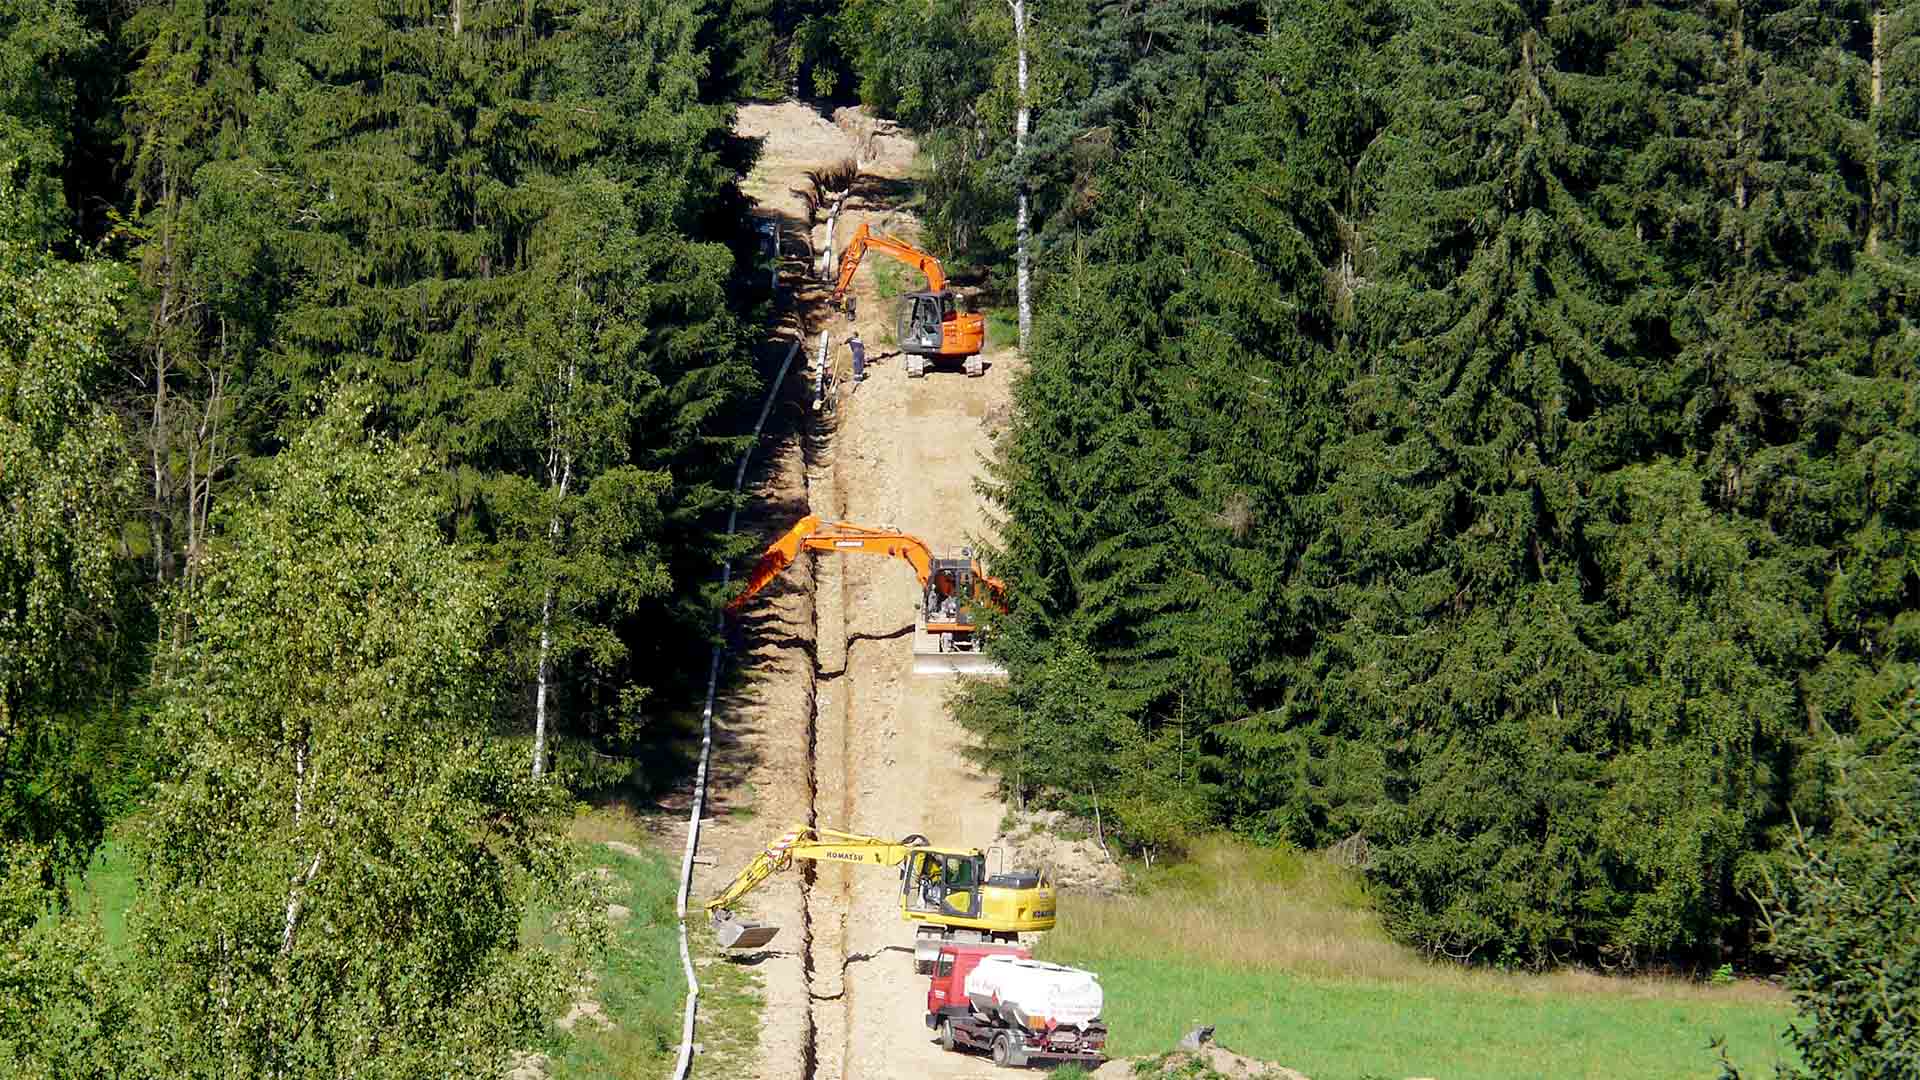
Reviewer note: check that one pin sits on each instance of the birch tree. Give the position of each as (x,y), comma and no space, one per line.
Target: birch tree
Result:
(1023,254)
(580,530)
(62,485)
(336,874)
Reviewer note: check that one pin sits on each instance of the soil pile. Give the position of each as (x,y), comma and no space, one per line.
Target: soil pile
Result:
(1207,1063)
(1048,838)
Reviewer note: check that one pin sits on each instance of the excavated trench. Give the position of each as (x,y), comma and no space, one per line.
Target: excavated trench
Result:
(809,871)
(828,1027)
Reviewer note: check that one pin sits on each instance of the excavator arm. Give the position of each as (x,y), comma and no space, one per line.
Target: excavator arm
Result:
(865,238)
(799,842)
(947,585)
(812,534)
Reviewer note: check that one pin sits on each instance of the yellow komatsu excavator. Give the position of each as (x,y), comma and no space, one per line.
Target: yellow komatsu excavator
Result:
(946,891)
(945,640)
(932,326)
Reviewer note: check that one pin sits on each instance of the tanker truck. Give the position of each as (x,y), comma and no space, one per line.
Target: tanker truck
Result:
(1021,1011)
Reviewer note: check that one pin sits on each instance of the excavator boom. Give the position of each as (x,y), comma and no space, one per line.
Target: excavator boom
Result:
(798,842)
(931,324)
(944,641)
(812,534)
(865,238)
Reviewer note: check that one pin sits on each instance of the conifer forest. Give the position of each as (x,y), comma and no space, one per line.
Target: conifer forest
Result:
(1479,439)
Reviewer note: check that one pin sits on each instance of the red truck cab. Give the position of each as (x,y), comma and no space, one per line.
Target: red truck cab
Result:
(947,989)
(960,1026)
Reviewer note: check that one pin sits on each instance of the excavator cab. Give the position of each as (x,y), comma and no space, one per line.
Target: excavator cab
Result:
(922,318)
(932,327)
(953,898)
(950,588)
(944,883)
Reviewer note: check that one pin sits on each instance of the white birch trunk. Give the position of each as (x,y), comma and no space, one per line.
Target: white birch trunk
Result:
(1023,257)
(1873,144)
(294,903)
(544,674)
(294,896)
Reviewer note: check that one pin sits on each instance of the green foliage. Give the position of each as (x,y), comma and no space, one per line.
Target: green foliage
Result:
(1538,404)
(509,228)
(62,489)
(1847,922)
(334,873)
(38,39)
(506,224)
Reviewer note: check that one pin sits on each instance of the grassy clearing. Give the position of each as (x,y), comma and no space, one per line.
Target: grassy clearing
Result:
(639,982)
(106,892)
(1280,951)
(1003,329)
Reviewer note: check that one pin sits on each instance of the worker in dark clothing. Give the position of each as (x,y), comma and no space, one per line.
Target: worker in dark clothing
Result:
(859,350)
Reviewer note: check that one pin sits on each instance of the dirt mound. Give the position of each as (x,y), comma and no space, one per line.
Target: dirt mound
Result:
(527,1065)
(1207,1063)
(1050,838)
(877,141)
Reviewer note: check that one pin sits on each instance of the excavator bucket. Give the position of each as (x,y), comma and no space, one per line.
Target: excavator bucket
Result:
(734,934)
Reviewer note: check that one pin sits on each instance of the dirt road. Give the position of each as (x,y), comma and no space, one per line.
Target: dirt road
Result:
(827,724)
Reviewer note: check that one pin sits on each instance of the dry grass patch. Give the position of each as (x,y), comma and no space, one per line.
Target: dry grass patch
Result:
(1306,914)
(616,822)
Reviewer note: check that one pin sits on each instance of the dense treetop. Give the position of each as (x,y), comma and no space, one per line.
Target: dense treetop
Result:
(1482,436)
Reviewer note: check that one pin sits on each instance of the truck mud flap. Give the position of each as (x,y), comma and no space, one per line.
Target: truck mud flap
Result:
(734,934)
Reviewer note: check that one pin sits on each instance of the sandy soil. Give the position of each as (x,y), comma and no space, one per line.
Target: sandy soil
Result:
(906,454)
(827,723)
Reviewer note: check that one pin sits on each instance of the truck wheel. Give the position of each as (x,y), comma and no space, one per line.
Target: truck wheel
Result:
(1003,1051)
(946,1035)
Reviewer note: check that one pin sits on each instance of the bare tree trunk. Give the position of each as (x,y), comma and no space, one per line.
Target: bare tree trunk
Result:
(295,900)
(162,371)
(1738,158)
(544,674)
(1023,257)
(294,897)
(1873,143)
(540,691)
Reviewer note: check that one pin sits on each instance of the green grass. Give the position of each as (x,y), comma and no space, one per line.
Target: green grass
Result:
(106,892)
(639,981)
(1003,329)
(1279,951)
(887,279)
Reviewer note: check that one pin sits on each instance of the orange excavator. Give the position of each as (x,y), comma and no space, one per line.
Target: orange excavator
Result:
(945,641)
(932,326)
